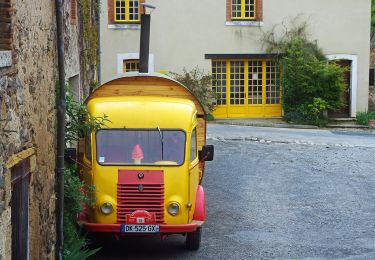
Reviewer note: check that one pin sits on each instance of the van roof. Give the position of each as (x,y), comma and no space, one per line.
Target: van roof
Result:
(145,84)
(145,112)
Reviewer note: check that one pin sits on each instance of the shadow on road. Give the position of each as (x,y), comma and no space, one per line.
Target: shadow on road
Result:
(172,247)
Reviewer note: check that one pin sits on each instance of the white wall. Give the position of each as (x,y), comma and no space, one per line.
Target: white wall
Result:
(183,31)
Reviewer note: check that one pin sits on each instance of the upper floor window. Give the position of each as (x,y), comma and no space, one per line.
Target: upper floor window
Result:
(243,9)
(244,12)
(127,10)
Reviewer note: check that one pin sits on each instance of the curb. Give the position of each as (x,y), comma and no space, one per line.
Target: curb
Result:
(295,142)
(266,125)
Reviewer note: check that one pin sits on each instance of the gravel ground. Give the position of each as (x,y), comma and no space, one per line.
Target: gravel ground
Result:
(278,201)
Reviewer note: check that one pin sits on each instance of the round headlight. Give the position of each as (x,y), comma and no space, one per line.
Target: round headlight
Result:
(173,208)
(106,208)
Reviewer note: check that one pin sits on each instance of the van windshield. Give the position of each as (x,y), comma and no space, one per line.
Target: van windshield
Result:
(140,147)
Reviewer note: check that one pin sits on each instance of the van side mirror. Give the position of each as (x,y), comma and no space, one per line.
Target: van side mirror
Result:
(207,153)
(70,155)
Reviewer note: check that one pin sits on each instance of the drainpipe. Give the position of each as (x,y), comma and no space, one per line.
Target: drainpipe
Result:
(145,43)
(99,46)
(61,106)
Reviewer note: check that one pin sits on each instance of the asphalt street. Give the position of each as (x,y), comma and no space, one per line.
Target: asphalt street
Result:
(272,194)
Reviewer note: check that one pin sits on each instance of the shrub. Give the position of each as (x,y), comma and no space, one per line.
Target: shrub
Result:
(363,118)
(76,194)
(78,121)
(74,199)
(199,83)
(310,83)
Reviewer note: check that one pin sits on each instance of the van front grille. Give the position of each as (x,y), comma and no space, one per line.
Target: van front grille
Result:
(134,193)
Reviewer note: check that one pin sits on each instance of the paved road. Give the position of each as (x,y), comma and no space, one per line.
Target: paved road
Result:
(278,201)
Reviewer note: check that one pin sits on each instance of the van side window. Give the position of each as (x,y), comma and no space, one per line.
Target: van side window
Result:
(193,145)
(88,147)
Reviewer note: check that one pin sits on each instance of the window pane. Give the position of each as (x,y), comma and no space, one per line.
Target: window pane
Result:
(219,81)
(193,146)
(133,10)
(255,82)
(273,83)
(130,65)
(143,147)
(120,10)
(237,81)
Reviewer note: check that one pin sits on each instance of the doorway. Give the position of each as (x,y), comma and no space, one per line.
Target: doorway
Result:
(344,110)
(20,210)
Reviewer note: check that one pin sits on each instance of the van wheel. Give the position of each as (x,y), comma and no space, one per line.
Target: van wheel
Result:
(193,239)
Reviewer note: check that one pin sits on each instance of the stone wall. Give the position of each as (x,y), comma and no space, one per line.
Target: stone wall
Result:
(28,115)
(28,119)
(27,100)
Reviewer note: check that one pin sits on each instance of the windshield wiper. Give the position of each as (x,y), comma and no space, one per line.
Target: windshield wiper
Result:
(162,143)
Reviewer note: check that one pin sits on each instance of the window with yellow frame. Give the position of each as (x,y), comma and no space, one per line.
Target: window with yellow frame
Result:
(127,10)
(131,65)
(243,9)
(250,82)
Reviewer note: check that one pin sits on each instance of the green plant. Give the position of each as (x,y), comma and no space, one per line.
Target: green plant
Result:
(310,83)
(78,121)
(199,83)
(372,15)
(210,117)
(76,194)
(363,118)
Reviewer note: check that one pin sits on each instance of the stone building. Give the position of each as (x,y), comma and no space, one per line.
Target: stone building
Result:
(224,37)
(28,75)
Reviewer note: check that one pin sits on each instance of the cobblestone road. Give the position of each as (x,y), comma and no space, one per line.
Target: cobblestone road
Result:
(268,200)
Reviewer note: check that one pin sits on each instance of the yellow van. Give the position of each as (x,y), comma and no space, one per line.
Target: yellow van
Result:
(147,163)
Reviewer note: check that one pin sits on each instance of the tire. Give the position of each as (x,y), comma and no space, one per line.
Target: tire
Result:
(193,239)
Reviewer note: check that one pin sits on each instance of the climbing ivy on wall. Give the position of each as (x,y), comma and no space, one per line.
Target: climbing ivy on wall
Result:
(88,12)
(372,15)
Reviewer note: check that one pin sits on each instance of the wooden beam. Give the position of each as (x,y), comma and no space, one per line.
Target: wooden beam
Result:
(17,158)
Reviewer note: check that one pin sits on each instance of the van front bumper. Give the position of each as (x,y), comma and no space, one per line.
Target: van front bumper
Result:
(116,228)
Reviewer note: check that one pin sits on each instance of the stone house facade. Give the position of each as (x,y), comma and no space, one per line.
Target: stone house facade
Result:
(224,37)
(28,75)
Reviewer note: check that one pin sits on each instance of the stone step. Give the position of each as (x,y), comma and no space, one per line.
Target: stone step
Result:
(340,120)
(333,125)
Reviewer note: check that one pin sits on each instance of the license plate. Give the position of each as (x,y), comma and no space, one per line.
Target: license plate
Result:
(139,228)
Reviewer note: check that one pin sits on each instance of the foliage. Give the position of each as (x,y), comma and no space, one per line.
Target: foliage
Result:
(372,15)
(310,83)
(311,113)
(76,194)
(363,118)
(88,10)
(78,121)
(74,199)
(210,117)
(199,83)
